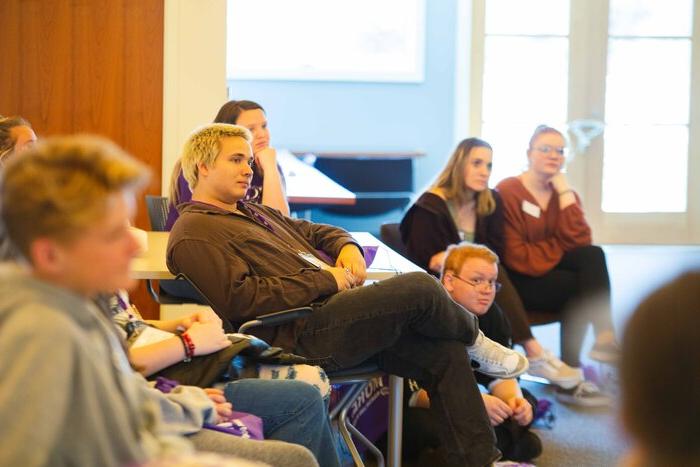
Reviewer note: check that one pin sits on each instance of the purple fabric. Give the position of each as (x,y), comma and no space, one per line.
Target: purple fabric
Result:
(370,252)
(370,411)
(165,385)
(185,195)
(241,424)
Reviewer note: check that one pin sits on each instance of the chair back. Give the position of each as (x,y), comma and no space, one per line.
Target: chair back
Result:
(157,211)
(204,300)
(390,234)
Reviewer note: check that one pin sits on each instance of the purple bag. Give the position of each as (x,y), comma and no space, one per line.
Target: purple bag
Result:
(241,424)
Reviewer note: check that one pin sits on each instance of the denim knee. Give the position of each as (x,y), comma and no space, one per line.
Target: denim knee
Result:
(274,396)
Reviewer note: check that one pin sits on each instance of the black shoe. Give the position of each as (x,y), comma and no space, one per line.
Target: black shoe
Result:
(526,448)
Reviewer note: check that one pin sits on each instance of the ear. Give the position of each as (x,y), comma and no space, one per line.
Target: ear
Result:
(202,169)
(448,281)
(46,256)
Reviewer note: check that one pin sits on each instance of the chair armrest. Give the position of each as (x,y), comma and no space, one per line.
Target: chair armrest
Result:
(276,318)
(267,320)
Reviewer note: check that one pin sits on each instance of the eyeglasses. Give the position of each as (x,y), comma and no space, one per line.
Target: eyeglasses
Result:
(481,284)
(546,149)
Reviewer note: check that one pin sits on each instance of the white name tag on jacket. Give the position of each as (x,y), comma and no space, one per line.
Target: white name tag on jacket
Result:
(309,258)
(531,209)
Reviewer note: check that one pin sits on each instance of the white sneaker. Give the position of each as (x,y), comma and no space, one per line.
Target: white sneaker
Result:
(554,370)
(493,359)
(584,394)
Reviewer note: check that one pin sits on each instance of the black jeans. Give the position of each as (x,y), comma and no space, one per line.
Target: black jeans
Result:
(412,328)
(578,288)
(509,300)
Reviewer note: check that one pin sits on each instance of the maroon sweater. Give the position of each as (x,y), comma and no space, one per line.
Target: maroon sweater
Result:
(535,245)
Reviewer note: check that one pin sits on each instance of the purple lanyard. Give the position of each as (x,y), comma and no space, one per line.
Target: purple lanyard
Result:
(255,216)
(249,213)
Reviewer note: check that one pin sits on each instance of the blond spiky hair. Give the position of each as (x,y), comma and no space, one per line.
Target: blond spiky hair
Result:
(203,146)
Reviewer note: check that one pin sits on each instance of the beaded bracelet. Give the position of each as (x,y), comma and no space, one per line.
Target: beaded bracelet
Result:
(188,345)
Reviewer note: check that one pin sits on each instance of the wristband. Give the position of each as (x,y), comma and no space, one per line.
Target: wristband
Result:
(188,345)
(568,190)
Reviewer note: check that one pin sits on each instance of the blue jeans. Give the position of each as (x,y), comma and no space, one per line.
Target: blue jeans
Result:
(410,327)
(291,411)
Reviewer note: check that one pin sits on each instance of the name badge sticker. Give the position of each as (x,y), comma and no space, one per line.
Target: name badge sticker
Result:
(531,209)
(309,258)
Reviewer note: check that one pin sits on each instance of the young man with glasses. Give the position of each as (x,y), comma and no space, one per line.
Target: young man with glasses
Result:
(469,275)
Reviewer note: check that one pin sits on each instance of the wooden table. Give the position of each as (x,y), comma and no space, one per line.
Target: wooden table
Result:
(308,186)
(387,262)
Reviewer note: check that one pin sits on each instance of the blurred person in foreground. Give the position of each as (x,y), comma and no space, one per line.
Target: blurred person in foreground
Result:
(661,407)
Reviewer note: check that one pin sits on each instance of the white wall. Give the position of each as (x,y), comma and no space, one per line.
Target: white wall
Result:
(194,75)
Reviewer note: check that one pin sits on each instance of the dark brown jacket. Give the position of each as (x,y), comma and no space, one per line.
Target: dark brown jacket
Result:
(247,268)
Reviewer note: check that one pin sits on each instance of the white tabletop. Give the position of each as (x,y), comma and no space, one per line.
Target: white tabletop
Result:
(387,262)
(308,185)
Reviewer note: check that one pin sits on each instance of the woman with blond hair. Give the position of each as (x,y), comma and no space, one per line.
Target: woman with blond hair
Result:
(459,206)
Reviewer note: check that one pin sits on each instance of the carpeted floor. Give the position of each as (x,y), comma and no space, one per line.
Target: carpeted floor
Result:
(592,437)
(580,437)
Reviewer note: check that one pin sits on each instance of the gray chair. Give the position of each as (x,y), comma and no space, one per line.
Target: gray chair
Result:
(157,212)
(170,292)
(359,377)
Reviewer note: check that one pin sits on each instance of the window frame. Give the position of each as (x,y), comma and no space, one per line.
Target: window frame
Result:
(588,48)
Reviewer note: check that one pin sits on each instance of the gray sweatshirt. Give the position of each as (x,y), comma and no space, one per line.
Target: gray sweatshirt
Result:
(68,395)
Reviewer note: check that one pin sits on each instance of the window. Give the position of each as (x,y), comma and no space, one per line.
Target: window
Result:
(618,75)
(362,40)
(525,79)
(647,106)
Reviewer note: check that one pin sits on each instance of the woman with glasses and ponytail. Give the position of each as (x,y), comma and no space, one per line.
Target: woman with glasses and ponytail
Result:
(550,259)
(459,206)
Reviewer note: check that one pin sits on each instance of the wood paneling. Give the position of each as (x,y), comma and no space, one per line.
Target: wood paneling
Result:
(89,66)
